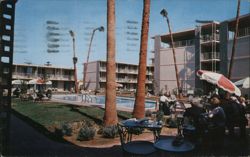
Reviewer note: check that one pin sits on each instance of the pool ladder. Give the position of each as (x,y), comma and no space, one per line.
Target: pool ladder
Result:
(86,97)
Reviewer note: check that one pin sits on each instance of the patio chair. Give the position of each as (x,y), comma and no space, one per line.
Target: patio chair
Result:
(134,147)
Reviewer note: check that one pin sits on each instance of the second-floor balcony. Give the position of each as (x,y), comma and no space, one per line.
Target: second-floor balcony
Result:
(181,43)
(61,77)
(210,56)
(242,32)
(125,80)
(17,75)
(210,37)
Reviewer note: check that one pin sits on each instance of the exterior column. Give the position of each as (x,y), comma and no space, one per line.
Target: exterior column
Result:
(224,48)
(197,41)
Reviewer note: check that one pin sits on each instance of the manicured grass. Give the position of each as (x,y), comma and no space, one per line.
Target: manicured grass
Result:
(51,113)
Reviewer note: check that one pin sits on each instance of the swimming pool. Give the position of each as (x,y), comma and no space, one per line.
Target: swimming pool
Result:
(100,100)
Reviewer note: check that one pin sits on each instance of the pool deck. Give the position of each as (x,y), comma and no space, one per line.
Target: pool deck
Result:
(77,103)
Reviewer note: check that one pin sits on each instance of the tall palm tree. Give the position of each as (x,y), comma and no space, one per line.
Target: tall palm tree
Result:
(139,109)
(110,115)
(234,41)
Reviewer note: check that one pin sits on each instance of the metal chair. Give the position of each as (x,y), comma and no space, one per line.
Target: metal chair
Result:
(134,147)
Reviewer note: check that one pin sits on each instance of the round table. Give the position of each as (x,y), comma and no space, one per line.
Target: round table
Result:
(166,144)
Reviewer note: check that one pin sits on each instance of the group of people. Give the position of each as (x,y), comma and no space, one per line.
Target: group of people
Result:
(33,94)
(212,119)
(222,113)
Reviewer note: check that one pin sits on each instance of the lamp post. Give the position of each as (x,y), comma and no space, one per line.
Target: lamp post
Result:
(101,29)
(72,34)
(164,13)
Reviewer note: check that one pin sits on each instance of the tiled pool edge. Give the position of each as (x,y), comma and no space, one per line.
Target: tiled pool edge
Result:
(94,104)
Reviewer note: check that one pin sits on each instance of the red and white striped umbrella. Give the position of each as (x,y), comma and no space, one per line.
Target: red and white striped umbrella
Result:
(220,80)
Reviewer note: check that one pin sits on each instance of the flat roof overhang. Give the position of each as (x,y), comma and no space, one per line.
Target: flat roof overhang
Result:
(244,22)
(178,36)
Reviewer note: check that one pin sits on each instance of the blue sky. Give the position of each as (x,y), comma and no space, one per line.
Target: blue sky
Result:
(82,16)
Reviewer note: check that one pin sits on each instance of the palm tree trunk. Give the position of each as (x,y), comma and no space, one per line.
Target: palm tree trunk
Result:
(110,115)
(234,41)
(139,108)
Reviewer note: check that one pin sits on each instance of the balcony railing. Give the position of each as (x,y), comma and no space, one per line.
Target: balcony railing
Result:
(209,37)
(209,55)
(181,43)
(24,75)
(125,80)
(34,76)
(241,33)
(149,73)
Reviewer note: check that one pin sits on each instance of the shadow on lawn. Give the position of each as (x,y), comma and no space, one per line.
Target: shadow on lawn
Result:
(54,136)
(121,117)
(96,120)
(75,109)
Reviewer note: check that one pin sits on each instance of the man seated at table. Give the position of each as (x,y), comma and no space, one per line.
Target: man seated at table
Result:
(191,118)
(164,103)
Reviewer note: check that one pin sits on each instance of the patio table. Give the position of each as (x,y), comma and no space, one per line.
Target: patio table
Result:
(166,144)
(145,123)
(129,127)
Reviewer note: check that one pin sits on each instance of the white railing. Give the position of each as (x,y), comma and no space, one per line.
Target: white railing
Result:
(209,37)
(181,43)
(51,76)
(241,33)
(209,55)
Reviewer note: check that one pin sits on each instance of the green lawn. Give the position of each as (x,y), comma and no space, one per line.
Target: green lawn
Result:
(51,113)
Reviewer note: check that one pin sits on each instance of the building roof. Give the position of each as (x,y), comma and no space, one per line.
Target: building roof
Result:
(244,21)
(182,35)
(190,33)
(186,34)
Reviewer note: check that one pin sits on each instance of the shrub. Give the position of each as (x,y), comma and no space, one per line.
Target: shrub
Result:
(86,134)
(100,131)
(110,131)
(136,131)
(89,123)
(66,129)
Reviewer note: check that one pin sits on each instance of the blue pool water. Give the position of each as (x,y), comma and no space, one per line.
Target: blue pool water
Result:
(120,101)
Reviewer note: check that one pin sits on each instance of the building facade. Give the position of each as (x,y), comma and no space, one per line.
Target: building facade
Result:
(62,78)
(206,47)
(126,76)
(164,70)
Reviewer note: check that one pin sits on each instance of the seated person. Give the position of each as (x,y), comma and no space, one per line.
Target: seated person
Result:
(192,115)
(49,93)
(162,101)
(17,92)
(217,118)
(40,95)
(164,104)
